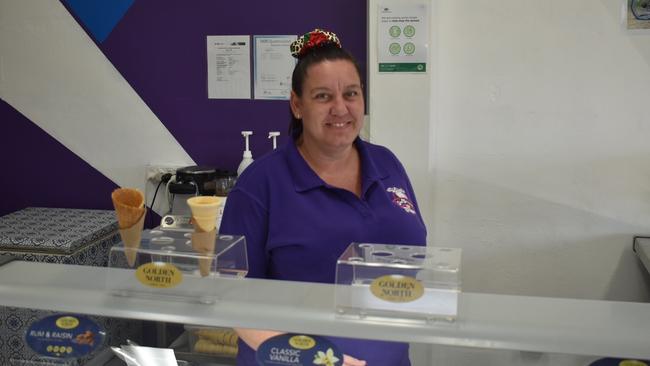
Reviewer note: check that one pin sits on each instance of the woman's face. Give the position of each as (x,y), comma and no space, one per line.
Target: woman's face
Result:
(331,105)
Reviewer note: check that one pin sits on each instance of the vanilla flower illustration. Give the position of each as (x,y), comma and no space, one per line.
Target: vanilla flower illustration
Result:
(325,358)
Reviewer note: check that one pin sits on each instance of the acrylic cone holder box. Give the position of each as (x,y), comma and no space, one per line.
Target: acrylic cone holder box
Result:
(169,265)
(398,282)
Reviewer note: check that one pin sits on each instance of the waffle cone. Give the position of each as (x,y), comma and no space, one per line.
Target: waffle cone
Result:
(131,239)
(204,212)
(203,243)
(204,223)
(205,265)
(129,206)
(130,210)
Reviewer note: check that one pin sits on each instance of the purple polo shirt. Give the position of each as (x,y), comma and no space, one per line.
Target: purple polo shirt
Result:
(296,226)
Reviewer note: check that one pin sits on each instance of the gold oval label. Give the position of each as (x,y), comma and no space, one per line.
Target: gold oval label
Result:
(67,322)
(302,342)
(632,363)
(159,275)
(397,288)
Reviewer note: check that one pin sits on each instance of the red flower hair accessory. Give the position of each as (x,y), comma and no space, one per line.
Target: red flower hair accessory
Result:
(312,40)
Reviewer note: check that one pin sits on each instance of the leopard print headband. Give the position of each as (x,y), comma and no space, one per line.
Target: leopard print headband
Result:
(312,40)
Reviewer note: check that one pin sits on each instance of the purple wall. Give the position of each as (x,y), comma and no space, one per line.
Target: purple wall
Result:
(160,49)
(38,171)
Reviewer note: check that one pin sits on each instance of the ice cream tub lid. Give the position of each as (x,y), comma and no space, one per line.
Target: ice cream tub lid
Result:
(64,336)
(54,230)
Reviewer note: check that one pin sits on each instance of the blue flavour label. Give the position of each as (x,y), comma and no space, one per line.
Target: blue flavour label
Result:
(64,336)
(619,362)
(298,349)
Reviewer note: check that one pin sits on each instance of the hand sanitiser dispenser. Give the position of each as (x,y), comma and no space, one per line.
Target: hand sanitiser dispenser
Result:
(273,136)
(248,156)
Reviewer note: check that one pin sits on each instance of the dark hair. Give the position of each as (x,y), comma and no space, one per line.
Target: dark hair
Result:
(329,52)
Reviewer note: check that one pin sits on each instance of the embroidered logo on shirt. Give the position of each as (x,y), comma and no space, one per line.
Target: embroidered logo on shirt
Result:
(401,199)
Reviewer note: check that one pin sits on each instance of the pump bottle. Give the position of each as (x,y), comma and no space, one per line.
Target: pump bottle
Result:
(248,156)
(273,136)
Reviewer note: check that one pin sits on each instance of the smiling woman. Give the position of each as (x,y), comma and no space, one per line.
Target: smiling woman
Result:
(331,107)
(331,111)
(303,204)
(327,109)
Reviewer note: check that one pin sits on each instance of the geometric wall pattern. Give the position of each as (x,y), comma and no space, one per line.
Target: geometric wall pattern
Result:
(158,49)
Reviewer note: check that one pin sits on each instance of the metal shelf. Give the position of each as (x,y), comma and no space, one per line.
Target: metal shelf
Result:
(569,326)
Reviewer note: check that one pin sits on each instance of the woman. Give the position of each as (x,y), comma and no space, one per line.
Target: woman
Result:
(303,204)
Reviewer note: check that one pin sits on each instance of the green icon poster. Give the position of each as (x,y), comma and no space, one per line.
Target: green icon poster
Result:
(403,37)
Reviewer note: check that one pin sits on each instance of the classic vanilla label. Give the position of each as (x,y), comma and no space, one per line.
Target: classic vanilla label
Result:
(298,349)
(159,275)
(397,288)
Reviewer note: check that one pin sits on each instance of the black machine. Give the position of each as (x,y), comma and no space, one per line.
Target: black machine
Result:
(194,180)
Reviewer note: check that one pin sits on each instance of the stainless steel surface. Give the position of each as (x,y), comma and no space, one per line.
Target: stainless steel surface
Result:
(176,222)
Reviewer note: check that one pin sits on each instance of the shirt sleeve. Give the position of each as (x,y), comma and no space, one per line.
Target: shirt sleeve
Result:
(245,215)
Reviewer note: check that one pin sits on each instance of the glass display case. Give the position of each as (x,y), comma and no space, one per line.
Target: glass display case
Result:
(501,329)
(398,282)
(166,265)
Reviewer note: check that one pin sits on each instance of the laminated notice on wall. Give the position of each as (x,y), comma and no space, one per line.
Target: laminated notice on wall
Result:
(403,38)
(273,66)
(229,67)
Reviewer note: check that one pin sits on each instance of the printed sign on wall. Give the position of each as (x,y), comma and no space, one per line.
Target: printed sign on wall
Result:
(273,65)
(229,67)
(403,39)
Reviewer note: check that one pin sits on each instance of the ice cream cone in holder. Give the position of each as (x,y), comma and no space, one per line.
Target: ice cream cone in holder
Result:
(130,211)
(203,243)
(204,217)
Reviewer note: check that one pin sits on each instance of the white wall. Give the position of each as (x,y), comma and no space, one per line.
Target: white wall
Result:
(398,113)
(528,143)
